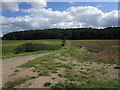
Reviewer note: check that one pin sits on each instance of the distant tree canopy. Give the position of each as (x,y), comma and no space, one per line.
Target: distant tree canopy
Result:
(71,33)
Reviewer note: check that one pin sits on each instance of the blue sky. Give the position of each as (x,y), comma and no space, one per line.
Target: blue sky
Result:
(104,6)
(61,6)
(41,15)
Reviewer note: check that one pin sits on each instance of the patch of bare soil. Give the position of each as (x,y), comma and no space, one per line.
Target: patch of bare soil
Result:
(105,71)
(57,54)
(101,71)
(68,60)
(27,72)
(35,83)
(60,61)
(108,54)
(9,65)
(40,81)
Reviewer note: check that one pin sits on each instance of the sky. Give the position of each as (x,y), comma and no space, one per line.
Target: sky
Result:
(19,16)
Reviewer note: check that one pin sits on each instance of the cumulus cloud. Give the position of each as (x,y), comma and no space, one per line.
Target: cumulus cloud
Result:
(109,19)
(73,17)
(39,4)
(13,5)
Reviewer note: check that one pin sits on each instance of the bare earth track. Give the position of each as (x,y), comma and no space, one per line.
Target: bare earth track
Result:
(10,64)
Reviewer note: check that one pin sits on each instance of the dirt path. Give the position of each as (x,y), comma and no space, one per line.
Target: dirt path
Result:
(10,64)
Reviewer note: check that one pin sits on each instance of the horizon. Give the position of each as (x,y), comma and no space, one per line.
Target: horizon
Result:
(46,15)
(59,29)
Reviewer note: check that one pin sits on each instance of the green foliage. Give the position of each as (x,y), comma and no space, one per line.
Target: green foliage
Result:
(16,70)
(93,51)
(117,67)
(9,46)
(40,61)
(72,33)
(84,55)
(89,84)
(32,47)
(43,65)
(26,53)
(27,47)
(47,84)
(67,66)
(64,85)
(60,75)
(10,85)
(63,43)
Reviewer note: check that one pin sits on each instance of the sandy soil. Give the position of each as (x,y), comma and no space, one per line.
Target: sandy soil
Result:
(101,71)
(39,82)
(9,65)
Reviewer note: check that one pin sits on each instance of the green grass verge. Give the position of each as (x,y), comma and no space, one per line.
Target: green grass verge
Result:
(28,53)
(88,84)
(84,55)
(8,46)
(44,65)
(10,85)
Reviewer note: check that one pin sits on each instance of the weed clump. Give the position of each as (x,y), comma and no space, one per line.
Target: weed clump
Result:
(47,84)
(64,85)
(117,67)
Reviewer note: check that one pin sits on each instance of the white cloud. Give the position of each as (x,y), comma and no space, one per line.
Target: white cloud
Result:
(109,19)
(40,4)
(73,17)
(13,5)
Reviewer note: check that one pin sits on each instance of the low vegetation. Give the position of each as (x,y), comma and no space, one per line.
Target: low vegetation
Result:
(73,67)
(28,47)
(33,47)
(12,84)
(88,84)
(47,84)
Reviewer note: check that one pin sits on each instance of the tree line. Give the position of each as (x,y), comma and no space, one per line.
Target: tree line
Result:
(71,33)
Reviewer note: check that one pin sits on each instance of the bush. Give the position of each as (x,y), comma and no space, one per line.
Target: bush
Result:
(32,47)
(63,43)
(117,67)
(47,84)
(27,47)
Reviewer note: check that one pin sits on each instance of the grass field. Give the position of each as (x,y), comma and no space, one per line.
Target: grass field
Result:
(73,67)
(8,46)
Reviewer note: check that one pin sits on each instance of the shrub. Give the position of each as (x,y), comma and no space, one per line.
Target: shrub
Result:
(117,67)
(31,47)
(63,43)
(27,47)
(60,75)
(47,84)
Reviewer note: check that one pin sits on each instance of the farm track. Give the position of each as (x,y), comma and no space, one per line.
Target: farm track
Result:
(10,64)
